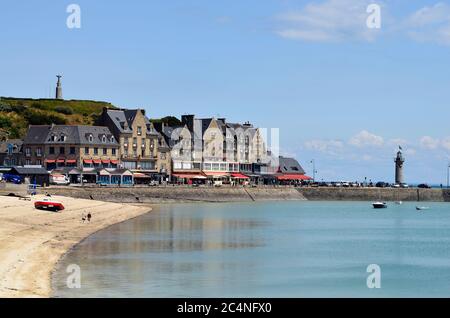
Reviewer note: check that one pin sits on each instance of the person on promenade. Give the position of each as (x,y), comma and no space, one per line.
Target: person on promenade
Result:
(89,216)
(83,217)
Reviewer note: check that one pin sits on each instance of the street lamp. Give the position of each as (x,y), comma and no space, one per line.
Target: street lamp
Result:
(314,169)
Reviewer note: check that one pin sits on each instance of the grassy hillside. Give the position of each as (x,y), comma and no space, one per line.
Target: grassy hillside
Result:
(17,113)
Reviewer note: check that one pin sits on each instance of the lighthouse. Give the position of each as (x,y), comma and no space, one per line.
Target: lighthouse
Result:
(399,161)
(59,88)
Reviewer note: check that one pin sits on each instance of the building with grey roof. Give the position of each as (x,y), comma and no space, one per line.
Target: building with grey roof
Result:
(56,146)
(138,139)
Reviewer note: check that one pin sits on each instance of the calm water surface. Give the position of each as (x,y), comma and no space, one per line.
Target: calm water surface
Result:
(270,249)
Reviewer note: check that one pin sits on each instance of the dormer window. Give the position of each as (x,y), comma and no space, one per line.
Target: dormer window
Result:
(53,138)
(63,138)
(104,139)
(91,138)
(112,139)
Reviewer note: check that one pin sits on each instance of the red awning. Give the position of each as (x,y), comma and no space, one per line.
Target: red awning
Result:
(114,162)
(71,161)
(138,175)
(50,161)
(106,161)
(60,160)
(239,176)
(98,161)
(189,175)
(293,177)
(89,161)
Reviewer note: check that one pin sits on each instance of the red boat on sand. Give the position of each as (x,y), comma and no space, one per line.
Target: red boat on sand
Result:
(49,204)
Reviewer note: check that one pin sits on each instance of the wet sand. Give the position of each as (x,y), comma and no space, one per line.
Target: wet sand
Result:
(32,241)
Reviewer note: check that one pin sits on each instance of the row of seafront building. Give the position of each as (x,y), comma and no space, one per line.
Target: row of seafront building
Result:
(199,150)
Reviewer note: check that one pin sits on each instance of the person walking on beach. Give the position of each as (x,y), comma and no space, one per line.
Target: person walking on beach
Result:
(89,217)
(83,217)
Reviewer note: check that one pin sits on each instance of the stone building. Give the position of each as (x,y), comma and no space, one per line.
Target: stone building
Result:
(59,146)
(11,153)
(137,138)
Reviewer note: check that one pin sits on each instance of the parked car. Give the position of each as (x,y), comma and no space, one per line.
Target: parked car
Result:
(153,183)
(424,186)
(346,184)
(396,185)
(404,185)
(382,184)
(59,179)
(12,178)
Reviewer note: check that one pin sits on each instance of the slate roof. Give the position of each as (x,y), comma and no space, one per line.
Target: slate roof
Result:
(290,165)
(72,134)
(29,171)
(120,117)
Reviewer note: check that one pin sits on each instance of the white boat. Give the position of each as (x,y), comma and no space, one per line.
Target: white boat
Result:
(379,205)
(421,208)
(399,202)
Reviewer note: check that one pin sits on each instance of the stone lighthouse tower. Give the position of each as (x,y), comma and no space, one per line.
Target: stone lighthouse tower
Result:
(399,161)
(59,88)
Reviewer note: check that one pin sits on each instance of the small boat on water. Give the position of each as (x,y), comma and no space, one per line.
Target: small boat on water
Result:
(399,202)
(49,204)
(379,205)
(422,208)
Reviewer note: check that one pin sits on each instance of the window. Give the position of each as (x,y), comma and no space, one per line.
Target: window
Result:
(134,142)
(51,150)
(104,139)
(28,162)
(105,151)
(62,150)
(95,151)
(28,152)
(72,150)
(139,131)
(143,142)
(163,156)
(39,162)
(86,150)
(39,152)
(53,138)
(63,138)
(113,151)
(112,139)
(91,138)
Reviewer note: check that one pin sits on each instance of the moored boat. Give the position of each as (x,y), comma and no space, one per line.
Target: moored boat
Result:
(421,208)
(48,204)
(379,205)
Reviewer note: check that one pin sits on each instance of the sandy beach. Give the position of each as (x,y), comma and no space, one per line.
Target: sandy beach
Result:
(32,241)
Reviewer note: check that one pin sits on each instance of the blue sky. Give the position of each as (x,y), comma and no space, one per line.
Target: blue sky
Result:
(340,93)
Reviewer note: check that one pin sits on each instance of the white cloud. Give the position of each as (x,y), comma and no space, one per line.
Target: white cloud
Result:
(430,24)
(446,143)
(326,146)
(429,143)
(365,138)
(329,21)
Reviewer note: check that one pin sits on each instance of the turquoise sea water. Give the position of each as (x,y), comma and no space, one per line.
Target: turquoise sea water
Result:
(270,249)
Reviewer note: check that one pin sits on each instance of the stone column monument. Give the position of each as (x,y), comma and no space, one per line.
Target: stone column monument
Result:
(59,88)
(399,161)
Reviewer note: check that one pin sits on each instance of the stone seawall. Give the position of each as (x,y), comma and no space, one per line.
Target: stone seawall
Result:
(177,194)
(375,194)
(226,194)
